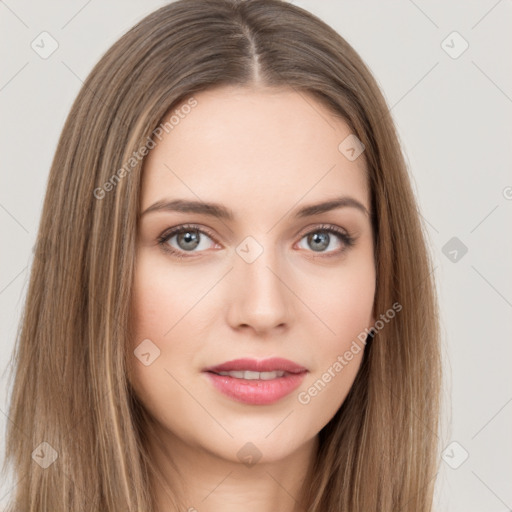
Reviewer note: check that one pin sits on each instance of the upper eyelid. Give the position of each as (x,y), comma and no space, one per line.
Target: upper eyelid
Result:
(168,233)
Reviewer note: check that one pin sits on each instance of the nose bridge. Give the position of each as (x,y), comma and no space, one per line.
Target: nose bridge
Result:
(261,296)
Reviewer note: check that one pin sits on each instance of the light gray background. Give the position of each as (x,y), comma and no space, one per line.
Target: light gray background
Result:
(454,117)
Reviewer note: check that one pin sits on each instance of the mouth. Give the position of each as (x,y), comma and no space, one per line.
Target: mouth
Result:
(256,382)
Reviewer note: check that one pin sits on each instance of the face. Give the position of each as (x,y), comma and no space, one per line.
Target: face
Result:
(260,282)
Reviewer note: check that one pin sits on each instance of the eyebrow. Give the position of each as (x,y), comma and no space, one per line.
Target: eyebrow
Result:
(221,212)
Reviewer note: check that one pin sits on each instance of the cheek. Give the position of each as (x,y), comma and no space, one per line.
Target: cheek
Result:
(155,300)
(167,309)
(164,299)
(160,321)
(344,305)
(154,307)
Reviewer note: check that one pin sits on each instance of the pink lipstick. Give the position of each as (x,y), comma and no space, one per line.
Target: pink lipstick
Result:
(256,382)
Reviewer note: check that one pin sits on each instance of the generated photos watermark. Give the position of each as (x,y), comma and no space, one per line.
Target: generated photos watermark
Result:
(137,156)
(304,397)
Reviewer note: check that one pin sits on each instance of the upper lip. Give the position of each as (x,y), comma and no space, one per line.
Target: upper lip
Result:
(264,365)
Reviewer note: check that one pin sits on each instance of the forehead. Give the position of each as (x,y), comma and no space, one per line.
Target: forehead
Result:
(251,148)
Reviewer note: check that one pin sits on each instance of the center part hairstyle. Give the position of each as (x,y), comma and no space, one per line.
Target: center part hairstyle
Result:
(69,385)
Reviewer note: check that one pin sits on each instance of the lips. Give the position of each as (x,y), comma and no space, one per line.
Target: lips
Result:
(274,364)
(256,382)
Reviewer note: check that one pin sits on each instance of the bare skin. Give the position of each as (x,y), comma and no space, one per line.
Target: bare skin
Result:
(263,154)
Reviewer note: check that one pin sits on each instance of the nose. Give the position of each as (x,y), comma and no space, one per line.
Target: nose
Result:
(259,297)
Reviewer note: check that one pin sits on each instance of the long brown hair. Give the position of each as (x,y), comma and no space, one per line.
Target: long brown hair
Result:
(379,452)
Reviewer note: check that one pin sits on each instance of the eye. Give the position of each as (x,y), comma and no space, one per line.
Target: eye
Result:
(188,238)
(321,238)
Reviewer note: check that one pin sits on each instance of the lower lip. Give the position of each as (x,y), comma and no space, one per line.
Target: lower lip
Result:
(256,392)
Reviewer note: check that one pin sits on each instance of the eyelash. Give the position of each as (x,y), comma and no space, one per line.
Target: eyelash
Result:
(346,239)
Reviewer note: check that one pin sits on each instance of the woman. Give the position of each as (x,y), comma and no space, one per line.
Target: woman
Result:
(232,300)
